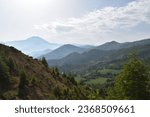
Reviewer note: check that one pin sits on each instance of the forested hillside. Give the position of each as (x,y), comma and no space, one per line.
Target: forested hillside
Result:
(22,77)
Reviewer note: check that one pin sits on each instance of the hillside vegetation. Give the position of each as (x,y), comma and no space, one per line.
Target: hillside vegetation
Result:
(22,77)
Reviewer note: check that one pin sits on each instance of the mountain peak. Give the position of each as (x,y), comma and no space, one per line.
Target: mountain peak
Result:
(63,51)
(68,45)
(113,42)
(32,44)
(109,46)
(35,38)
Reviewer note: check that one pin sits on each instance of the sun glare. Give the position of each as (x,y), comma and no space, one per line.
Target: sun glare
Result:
(33,3)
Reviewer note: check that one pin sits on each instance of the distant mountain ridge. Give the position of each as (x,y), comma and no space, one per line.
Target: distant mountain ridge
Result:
(113,45)
(32,44)
(63,51)
(104,54)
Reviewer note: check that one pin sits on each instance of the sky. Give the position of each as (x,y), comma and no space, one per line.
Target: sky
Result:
(75,21)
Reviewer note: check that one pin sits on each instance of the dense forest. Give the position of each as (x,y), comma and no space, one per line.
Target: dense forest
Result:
(22,77)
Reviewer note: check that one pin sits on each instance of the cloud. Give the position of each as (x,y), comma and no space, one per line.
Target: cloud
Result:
(106,20)
(111,18)
(56,27)
(60,27)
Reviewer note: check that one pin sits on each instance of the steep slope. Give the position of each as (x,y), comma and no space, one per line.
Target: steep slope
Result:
(32,45)
(22,77)
(63,51)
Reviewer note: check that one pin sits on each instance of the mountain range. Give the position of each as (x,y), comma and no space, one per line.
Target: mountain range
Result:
(74,58)
(106,55)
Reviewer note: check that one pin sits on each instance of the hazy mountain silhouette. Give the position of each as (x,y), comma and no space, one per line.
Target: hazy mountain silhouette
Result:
(63,51)
(32,45)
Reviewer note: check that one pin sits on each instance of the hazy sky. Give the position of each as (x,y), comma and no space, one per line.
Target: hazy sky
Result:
(75,21)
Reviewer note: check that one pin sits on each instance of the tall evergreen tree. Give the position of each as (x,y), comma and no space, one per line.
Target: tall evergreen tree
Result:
(22,93)
(44,62)
(133,82)
(4,76)
(11,65)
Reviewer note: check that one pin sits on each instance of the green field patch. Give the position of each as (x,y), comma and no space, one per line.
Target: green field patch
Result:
(106,71)
(97,81)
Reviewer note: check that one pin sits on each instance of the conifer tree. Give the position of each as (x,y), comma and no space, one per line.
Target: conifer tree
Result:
(11,65)
(133,82)
(44,62)
(4,76)
(22,93)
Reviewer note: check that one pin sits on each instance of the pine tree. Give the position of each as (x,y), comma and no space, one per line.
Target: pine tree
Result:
(57,92)
(22,93)
(44,62)
(133,82)
(11,65)
(4,76)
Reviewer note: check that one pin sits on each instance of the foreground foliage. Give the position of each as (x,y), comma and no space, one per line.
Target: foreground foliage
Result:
(133,82)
